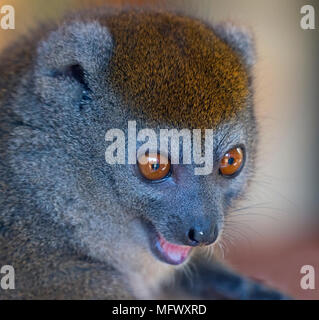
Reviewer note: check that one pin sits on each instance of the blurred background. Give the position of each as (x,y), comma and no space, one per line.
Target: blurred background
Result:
(277,230)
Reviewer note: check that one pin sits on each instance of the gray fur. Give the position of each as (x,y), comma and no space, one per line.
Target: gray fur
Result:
(240,39)
(71,225)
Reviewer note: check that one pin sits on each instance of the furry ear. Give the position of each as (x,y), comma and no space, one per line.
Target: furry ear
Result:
(87,44)
(240,39)
(72,59)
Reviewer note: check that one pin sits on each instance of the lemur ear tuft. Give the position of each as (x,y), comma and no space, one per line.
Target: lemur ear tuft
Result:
(240,39)
(77,49)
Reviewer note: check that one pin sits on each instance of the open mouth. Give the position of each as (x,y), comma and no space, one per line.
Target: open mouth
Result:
(166,251)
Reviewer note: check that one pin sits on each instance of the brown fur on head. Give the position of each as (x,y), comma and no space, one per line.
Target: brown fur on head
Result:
(175,70)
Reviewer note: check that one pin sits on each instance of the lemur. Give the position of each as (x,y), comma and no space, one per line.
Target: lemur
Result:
(74,227)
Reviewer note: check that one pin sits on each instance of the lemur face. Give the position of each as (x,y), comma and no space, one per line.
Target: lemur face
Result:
(162,71)
(174,72)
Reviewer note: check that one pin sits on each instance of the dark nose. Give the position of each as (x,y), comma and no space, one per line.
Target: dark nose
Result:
(202,236)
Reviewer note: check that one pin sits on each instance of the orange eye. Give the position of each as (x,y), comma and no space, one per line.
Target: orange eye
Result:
(151,168)
(232,162)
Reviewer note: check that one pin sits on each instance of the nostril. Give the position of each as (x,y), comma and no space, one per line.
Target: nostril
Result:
(198,236)
(192,237)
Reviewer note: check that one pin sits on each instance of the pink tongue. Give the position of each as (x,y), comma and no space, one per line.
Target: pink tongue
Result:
(173,251)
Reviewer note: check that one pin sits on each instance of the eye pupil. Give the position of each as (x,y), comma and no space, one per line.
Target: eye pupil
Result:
(155,166)
(232,162)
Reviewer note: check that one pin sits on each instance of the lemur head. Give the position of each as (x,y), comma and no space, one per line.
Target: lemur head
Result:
(163,71)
